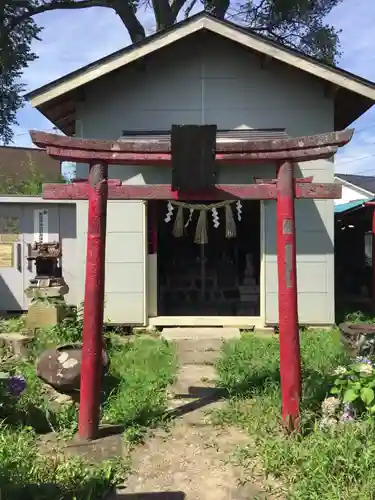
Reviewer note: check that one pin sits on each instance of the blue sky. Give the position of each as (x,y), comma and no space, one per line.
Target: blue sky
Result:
(72,39)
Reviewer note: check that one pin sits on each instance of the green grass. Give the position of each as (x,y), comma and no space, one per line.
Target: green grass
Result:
(324,465)
(133,392)
(27,475)
(133,396)
(142,370)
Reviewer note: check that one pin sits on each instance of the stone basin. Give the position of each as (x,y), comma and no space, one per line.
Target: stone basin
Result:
(358,338)
(60,367)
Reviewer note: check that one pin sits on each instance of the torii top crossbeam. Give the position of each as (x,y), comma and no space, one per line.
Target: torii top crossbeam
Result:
(153,152)
(157,152)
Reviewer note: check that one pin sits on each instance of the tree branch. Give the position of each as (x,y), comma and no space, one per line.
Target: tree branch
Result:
(176,6)
(123,9)
(163,14)
(33,11)
(126,13)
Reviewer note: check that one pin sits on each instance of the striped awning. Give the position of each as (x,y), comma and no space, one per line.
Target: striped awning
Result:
(350,206)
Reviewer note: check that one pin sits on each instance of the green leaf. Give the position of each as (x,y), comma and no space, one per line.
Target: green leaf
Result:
(358,367)
(340,381)
(334,390)
(350,396)
(367,395)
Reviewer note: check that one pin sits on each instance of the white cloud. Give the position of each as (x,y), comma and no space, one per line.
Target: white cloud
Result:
(72,39)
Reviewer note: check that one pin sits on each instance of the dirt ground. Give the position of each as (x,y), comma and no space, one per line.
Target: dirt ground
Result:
(192,460)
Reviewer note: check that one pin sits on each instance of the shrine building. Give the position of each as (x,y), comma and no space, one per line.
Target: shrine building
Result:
(175,259)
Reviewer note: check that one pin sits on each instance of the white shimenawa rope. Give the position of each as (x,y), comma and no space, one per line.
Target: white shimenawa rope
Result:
(230,225)
(178,228)
(201,235)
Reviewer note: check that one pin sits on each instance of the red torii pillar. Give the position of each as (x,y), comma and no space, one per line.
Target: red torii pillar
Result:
(91,372)
(290,362)
(284,189)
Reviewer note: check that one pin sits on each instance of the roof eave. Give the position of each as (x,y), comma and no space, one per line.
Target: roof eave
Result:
(361,92)
(351,185)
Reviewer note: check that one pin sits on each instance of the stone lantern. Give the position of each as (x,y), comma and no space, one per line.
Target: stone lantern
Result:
(47,288)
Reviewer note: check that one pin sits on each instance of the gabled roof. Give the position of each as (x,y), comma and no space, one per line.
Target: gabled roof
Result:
(363,182)
(353,95)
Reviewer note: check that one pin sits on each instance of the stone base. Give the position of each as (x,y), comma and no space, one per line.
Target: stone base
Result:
(17,343)
(42,314)
(51,292)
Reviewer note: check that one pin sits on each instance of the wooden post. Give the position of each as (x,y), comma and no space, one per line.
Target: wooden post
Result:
(290,362)
(94,303)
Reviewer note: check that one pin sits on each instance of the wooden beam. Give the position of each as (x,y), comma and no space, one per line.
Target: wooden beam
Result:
(90,387)
(153,159)
(116,190)
(290,356)
(303,180)
(336,139)
(319,191)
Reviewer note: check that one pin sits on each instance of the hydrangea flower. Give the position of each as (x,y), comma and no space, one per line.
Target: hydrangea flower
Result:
(327,422)
(16,385)
(340,370)
(330,406)
(365,369)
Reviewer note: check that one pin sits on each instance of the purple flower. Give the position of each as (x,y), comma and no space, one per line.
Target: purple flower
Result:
(16,385)
(366,361)
(348,414)
(346,417)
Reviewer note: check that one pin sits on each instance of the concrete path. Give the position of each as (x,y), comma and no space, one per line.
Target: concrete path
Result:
(191,461)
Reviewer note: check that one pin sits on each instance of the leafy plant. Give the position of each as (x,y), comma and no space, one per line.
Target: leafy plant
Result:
(28,182)
(355,385)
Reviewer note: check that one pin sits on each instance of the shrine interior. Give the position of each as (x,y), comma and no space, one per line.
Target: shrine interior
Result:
(219,278)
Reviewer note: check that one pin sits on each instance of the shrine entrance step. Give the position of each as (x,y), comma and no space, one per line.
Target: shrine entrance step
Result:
(200,333)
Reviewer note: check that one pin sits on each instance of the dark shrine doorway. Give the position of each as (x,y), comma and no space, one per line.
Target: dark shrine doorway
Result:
(220,277)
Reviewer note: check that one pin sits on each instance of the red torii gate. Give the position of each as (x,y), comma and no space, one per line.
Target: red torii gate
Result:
(100,153)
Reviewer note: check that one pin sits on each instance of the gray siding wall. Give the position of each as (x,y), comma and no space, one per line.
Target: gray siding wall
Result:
(219,82)
(125,260)
(61,225)
(69,240)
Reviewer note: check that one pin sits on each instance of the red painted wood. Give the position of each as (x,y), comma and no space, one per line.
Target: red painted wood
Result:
(152,221)
(318,191)
(94,303)
(79,191)
(148,145)
(290,362)
(304,180)
(158,159)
